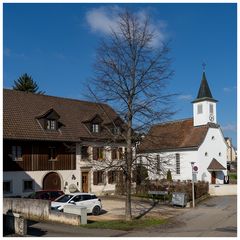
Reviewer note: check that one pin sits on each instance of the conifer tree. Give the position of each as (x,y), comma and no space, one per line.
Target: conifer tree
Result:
(27,84)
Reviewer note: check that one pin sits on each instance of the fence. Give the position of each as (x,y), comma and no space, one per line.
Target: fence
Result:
(201,188)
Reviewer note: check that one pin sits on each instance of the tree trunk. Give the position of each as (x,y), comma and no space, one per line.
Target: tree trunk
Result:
(128,207)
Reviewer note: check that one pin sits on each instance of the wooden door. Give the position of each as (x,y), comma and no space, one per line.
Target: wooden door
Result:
(52,181)
(84,182)
(213,178)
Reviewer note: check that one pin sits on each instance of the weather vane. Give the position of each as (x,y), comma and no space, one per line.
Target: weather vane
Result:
(204,66)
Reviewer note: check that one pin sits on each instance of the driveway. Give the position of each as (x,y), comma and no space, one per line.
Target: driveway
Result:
(215,217)
(114,209)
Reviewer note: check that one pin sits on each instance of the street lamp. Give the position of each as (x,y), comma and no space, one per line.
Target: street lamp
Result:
(193,197)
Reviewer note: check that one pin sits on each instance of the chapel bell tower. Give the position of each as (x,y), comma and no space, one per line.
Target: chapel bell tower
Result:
(204,106)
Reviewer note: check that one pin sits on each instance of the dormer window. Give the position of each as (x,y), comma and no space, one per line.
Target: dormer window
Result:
(116,130)
(51,124)
(50,120)
(95,128)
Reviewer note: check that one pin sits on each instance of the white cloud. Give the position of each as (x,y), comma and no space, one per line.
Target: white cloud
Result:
(227,89)
(230,127)
(104,19)
(9,53)
(185,97)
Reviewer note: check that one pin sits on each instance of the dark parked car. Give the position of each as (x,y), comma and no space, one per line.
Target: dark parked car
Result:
(46,194)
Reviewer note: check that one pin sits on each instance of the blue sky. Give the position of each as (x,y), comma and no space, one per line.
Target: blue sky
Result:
(56,43)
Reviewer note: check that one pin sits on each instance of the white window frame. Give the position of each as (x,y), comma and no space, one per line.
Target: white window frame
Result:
(95,127)
(51,124)
(17,153)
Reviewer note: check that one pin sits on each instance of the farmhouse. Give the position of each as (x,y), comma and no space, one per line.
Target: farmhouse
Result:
(199,139)
(55,143)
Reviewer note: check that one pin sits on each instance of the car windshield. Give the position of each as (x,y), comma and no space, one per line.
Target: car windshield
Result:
(64,198)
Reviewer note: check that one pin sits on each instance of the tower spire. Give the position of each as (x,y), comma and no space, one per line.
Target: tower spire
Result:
(204,91)
(204,66)
(204,106)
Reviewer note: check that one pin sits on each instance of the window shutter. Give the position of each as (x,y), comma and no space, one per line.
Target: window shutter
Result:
(114,153)
(103,175)
(120,150)
(95,155)
(110,177)
(95,178)
(120,176)
(101,156)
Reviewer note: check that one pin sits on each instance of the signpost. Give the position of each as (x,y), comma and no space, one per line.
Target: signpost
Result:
(194,178)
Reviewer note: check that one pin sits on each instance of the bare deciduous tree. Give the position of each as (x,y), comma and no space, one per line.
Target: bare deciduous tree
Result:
(131,75)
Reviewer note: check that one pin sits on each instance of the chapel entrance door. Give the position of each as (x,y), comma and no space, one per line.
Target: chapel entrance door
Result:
(213,180)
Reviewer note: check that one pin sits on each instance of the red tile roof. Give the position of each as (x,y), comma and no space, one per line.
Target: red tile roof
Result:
(21,109)
(215,165)
(174,135)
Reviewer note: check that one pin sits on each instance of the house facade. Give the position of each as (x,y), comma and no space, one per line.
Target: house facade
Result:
(199,140)
(231,153)
(56,143)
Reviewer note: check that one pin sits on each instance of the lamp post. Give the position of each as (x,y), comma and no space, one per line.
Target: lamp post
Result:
(193,197)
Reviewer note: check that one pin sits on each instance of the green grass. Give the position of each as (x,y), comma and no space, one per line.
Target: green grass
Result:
(233,176)
(126,225)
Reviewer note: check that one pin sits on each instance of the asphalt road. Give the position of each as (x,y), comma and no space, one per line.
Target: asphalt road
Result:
(215,217)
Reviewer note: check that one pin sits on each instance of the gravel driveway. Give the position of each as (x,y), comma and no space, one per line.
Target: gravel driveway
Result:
(114,208)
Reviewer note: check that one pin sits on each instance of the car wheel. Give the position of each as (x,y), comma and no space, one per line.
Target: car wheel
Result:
(96,210)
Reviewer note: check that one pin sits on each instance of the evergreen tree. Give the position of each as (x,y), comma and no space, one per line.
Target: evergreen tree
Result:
(25,83)
(169,175)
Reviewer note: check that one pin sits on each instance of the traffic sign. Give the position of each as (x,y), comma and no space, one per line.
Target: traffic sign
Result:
(195,168)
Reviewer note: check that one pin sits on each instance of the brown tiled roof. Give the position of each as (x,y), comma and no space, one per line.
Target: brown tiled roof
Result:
(174,135)
(215,165)
(21,110)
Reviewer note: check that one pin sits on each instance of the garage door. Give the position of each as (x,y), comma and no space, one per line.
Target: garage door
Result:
(52,181)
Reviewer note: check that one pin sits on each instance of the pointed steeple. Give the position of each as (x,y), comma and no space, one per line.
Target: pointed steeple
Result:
(204,106)
(204,92)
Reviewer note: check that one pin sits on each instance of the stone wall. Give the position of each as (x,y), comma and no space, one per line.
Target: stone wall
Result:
(32,209)
(222,190)
(38,210)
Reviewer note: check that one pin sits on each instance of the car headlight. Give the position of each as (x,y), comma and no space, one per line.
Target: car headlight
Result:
(55,208)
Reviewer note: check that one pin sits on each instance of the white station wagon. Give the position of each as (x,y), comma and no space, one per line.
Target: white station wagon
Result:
(88,200)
